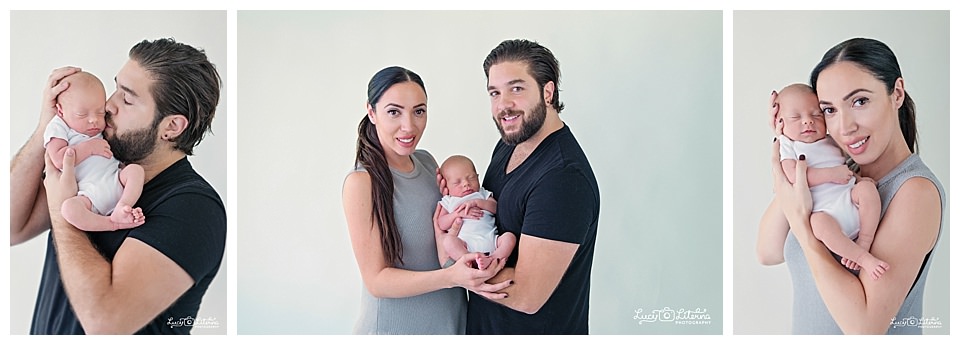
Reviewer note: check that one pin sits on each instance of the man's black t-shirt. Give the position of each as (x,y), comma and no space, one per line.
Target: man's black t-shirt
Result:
(186,221)
(552,195)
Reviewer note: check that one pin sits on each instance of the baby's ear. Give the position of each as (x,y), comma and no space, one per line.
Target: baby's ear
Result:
(59,110)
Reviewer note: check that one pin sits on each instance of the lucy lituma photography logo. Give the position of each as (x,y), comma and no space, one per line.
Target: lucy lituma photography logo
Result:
(682,316)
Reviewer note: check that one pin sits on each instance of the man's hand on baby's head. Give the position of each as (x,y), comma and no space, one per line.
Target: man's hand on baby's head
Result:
(53,88)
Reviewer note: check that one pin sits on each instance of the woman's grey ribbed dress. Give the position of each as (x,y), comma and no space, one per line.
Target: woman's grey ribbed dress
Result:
(810,314)
(438,312)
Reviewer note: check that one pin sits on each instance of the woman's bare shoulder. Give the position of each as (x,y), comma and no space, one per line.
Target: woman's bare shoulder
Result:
(917,193)
(357,182)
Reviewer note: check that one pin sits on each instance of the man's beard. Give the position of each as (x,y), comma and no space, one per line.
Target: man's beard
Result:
(528,126)
(133,146)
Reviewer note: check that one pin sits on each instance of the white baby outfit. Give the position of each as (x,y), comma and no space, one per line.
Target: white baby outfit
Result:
(831,198)
(479,234)
(98,177)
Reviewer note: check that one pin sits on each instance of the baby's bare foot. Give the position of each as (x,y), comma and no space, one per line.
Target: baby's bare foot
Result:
(483,261)
(874,266)
(126,217)
(848,263)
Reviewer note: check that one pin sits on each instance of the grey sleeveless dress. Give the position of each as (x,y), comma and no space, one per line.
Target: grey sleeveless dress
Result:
(439,312)
(810,314)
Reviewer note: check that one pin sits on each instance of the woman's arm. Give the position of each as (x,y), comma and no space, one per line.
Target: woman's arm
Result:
(772,235)
(817,176)
(382,279)
(906,234)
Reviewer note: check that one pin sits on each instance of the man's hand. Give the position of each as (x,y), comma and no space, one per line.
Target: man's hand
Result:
(475,279)
(51,90)
(60,185)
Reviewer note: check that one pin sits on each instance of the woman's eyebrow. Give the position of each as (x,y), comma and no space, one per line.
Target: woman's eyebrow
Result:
(855,92)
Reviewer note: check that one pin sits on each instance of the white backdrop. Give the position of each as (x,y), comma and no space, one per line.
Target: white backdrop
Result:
(774,49)
(643,95)
(98,41)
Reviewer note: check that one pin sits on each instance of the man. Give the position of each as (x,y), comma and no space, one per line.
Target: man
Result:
(547,196)
(149,279)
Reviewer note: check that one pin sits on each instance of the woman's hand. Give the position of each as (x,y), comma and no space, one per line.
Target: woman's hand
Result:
(60,185)
(466,275)
(773,110)
(442,184)
(53,88)
(794,199)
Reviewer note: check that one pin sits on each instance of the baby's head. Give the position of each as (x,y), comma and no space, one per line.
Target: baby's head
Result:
(82,105)
(461,176)
(800,110)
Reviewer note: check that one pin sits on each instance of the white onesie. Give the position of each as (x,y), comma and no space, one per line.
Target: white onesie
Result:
(98,177)
(831,198)
(480,235)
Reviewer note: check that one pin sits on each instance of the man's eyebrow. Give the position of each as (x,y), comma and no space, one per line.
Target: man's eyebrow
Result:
(124,88)
(512,82)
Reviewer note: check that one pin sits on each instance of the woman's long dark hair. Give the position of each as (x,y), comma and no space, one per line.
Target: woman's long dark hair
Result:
(877,58)
(371,157)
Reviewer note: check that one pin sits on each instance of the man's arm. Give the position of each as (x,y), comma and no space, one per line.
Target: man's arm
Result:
(109,297)
(540,265)
(119,297)
(28,204)
(558,217)
(29,216)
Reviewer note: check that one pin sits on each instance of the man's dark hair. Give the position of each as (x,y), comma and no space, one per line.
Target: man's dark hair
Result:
(541,64)
(185,83)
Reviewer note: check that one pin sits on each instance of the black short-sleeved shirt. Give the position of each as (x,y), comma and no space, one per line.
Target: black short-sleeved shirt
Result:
(552,195)
(186,221)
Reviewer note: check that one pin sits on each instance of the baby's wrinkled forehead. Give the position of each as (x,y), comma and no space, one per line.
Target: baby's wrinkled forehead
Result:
(796,93)
(457,162)
(82,84)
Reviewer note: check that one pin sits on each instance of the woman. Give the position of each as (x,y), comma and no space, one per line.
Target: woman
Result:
(870,115)
(389,201)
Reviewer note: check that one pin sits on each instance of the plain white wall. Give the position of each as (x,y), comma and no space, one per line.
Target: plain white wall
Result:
(774,49)
(643,96)
(98,41)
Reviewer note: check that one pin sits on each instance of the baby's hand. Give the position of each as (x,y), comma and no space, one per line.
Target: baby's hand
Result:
(96,146)
(468,212)
(840,174)
(472,204)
